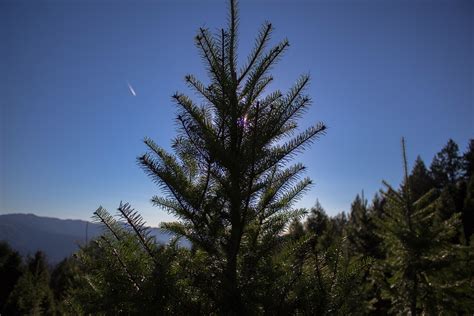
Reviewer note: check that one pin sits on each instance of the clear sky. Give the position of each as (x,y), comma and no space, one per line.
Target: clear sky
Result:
(71,129)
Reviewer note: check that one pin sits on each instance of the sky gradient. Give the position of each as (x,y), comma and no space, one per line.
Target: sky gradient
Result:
(71,130)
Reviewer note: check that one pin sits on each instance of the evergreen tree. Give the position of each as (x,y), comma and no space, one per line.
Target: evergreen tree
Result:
(358,219)
(32,294)
(420,179)
(446,165)
(378,204)
(468,211)
(227,181)
(468,160)
(328,282)
(336,228)
(361,229)
(65,281)
(422,262)
(126,271)
(11,269)
(296,229)
(317,221)
(229,185)
(365,243)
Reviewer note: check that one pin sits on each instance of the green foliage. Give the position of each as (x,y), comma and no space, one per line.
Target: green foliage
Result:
(125,271)
(227,181)
(420,254)
(402,254)
(32,294)
(420,180)
(468,160)
(361,229)
(468,210)
(326,282)
(317,221)
(446,165)
(11,270)
(296,229)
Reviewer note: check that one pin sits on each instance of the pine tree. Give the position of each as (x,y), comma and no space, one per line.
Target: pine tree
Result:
(126,271)
(423,263)
(317,221)
(32,294)
(296,229)
(446,165)
(11,269)
(327,282)
(227,181)
(468,160)
(419,179)
(66,279)
(468,211)
(358,219)
(361,229)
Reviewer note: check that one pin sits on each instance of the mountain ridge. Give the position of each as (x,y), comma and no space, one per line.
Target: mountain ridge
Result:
(57,238)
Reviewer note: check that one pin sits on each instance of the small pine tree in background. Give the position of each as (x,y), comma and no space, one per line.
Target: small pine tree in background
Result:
(126,271)
(422,266)
(420,179)
(446,167)
(11,269)
(32,294)
(468,203)
(361,229)
(317,221)
(468,161)
(468,211)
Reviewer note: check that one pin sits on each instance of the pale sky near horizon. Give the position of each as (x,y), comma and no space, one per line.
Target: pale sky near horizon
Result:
(83,82)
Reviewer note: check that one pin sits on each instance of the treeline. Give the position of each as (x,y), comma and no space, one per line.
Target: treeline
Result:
(408,251)
(31,286)
(419,238)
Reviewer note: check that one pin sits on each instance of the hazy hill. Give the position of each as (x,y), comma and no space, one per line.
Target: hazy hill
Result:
(58,238)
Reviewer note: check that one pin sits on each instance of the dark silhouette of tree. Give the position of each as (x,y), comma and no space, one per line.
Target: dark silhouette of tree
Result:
(361,229)
(317,221)
(446,165)
(468,211)
(422,262)
(11,270)
(329,282)
(32,294)
(296,229)
(66,279)
(468,160)
(227,181)
(420,179)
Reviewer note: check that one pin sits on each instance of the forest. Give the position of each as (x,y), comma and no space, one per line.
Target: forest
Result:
(232,182)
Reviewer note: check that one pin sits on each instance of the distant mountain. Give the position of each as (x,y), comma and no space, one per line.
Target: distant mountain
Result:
(58,238)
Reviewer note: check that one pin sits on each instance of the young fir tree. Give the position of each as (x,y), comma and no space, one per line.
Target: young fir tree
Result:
(228,181)
(468,203)
(468,161)
(446,167)
(468,211)
(317,221)
(32,294)
(424,267)
(126,271)
(361,229)
(420,179)
(11,269)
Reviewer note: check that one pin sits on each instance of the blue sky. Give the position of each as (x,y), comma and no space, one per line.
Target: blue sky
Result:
(71,130)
